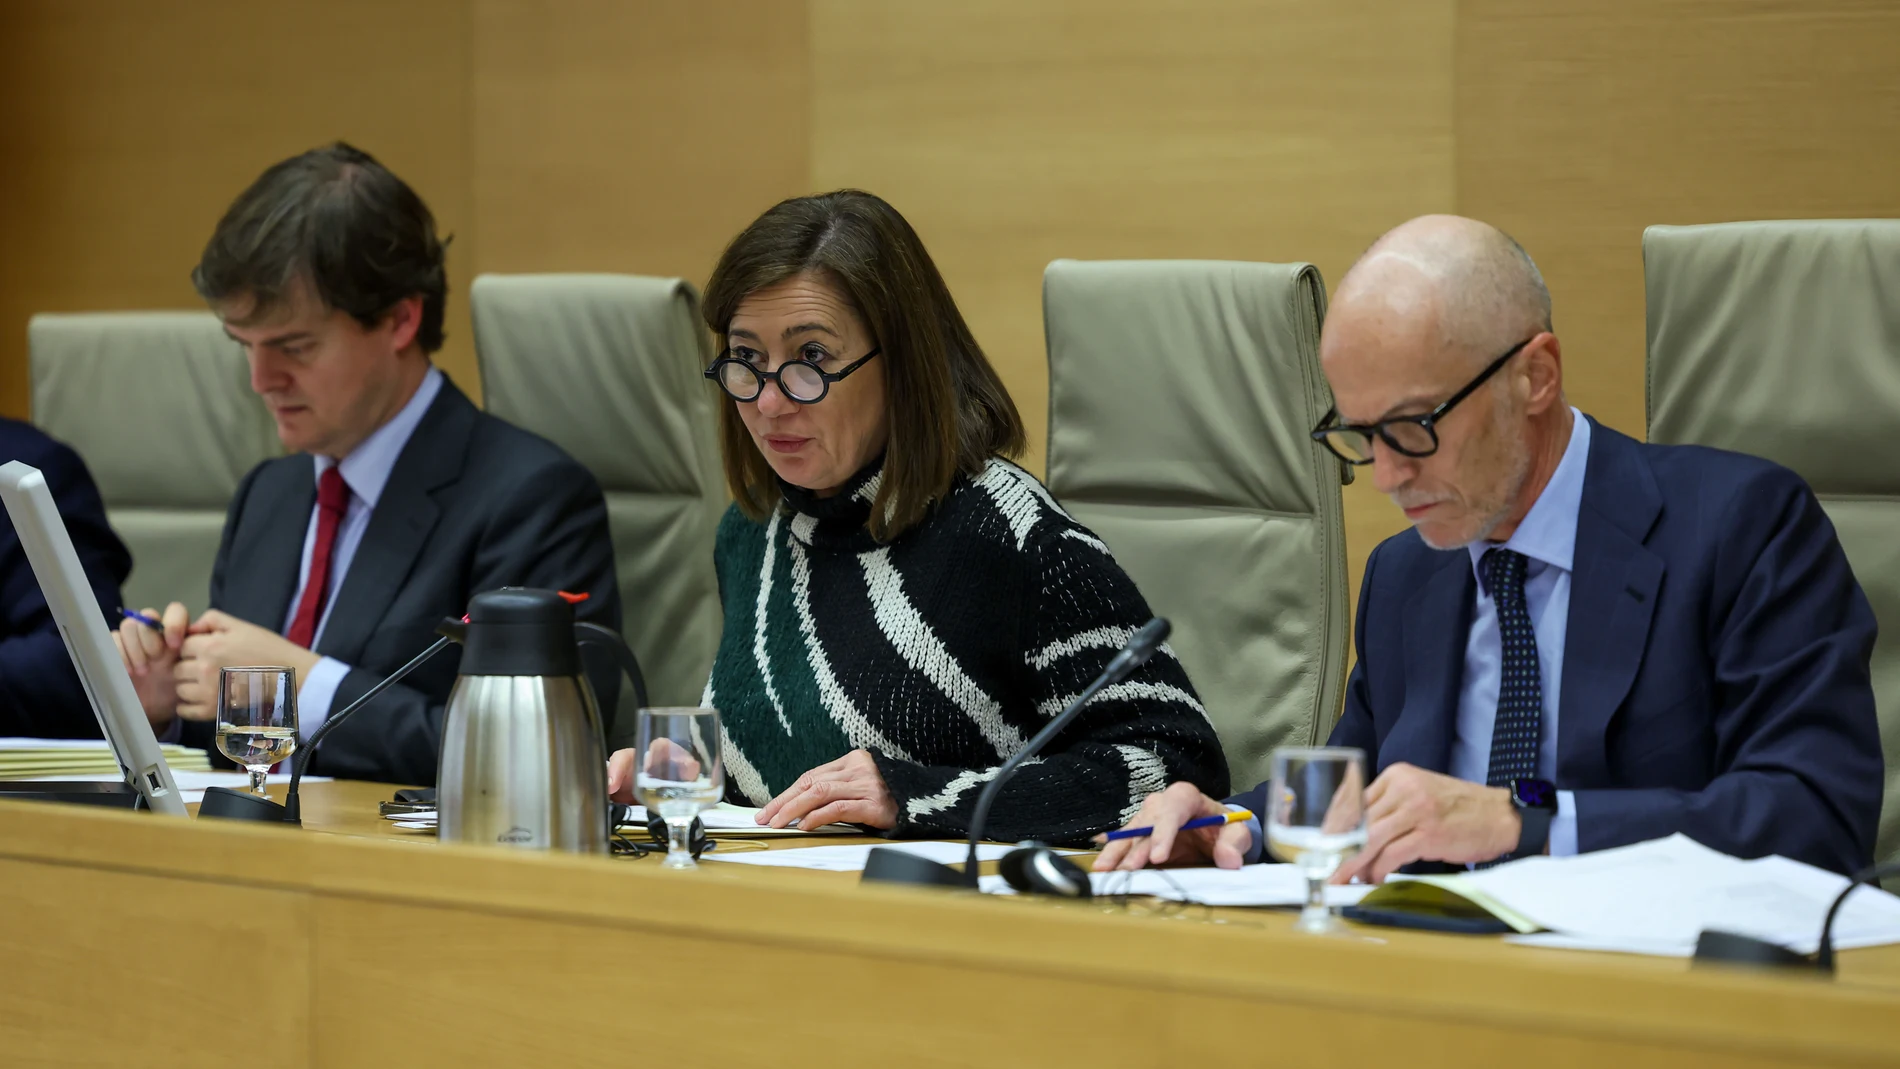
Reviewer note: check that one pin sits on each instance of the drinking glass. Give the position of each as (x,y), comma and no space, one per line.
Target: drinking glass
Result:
(1316,818)
(257,718)
(678,773)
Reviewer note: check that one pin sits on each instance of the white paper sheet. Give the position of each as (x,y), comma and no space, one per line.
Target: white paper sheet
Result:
(852,858)
(1657,897)
(1250,885)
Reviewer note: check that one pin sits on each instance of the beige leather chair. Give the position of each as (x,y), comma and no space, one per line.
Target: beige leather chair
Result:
(1180,397)
(159,405)
(1782,339)
(608,368)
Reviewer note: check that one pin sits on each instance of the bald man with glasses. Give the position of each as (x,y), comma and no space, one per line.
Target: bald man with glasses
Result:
(1583,641)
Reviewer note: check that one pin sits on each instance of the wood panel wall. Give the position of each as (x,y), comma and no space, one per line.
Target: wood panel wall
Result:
(639,136)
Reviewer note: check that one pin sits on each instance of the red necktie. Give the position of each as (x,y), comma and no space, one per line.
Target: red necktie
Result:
(333,497)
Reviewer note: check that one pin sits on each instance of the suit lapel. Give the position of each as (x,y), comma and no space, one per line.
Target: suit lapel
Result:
(399,527)
(1613,588)
(1437,619)
(281,501)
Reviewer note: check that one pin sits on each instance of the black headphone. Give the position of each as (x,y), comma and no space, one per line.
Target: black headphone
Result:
(1035,868)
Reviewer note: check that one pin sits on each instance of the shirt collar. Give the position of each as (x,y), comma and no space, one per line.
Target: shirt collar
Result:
(1549,530)
(367,469)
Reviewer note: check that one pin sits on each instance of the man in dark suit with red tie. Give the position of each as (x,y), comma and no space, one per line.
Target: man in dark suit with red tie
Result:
(401,499)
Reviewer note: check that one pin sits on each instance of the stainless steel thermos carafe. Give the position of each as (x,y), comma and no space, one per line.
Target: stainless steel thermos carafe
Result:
(524,759)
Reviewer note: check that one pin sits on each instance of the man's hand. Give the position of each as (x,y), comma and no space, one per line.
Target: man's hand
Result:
(220,641)
(848,790)
(1166,811)
(1415,815)
(149,657)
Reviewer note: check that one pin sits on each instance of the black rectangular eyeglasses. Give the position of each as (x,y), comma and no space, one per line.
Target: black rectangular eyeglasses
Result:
(1412,436)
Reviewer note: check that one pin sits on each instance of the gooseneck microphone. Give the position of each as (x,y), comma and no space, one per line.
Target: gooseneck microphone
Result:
(893,866)
(1140,647)
(243,805)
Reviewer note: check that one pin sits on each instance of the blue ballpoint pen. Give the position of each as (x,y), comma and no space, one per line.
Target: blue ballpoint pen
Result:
(156,625)
(1231,817)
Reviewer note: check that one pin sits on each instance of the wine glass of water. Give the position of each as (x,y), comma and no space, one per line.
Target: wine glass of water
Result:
(1316,818)
(257,718)
(678,773)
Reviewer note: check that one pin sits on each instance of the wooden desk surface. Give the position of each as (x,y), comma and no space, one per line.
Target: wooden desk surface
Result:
(368,946)
(349,808)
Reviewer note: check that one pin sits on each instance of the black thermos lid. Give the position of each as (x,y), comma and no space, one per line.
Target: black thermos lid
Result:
(520,631)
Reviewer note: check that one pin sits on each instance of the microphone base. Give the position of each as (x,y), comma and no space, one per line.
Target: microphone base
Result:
(895,866)
(1728,948)
(226,803)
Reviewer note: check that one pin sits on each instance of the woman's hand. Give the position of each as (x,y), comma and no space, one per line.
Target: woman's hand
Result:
(847,790)
(666,759)
(1165,812)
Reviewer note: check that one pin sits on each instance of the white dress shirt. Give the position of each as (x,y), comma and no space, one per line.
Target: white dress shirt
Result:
(1547,538)
(365,471)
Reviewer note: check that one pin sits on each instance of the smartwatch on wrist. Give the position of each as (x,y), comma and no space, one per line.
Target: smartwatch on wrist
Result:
(1536,803)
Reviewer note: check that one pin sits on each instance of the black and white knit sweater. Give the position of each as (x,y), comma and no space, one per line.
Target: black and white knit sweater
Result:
(941,653)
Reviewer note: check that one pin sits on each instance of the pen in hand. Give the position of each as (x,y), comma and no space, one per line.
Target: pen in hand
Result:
(1231,817)
(156,625)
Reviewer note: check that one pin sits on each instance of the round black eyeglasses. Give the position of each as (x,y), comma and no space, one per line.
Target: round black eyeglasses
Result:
(1412,436)
(799,380)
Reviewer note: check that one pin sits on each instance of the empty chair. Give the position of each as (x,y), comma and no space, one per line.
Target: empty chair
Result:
(1181,394)
(1782,339)
(159,405)
(608,368)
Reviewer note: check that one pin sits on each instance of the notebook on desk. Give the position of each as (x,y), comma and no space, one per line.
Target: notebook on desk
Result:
(1655,897)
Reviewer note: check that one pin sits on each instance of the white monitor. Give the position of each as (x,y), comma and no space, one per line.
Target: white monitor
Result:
(88,641)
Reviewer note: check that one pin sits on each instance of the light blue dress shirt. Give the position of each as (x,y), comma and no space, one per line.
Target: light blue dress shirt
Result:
(365,471)
(1548,539)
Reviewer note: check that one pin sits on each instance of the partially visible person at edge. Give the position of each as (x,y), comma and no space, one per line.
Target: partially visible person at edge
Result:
(40,694)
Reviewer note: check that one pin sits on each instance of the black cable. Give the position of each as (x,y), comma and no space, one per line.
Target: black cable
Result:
(1824,960)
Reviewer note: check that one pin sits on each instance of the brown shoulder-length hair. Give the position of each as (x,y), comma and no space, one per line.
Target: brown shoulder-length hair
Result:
(948,410)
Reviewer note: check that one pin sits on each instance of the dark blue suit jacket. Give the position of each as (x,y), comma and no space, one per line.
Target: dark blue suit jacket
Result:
(40,694)
(1716,678)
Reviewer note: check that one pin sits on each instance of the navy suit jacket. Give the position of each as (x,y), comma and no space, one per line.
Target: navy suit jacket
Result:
(1716,679)
(40,695)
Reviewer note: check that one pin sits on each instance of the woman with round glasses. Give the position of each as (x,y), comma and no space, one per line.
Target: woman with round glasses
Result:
(904,607)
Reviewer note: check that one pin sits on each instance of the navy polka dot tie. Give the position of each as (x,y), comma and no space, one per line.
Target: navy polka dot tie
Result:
(1520,721)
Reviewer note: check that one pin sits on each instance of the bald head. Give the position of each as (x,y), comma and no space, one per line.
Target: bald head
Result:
(1424,322)
(1446,282)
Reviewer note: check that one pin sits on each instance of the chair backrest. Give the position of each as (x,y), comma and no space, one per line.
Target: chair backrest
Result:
(608,368)
(159,405)
(1782,339)
(1180,397)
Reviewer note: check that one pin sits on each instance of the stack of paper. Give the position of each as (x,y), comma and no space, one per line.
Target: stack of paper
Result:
(1658,897)
(41,758)
(1251,885)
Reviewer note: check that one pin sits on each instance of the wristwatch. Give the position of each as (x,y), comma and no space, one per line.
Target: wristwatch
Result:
(1536,802)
